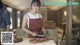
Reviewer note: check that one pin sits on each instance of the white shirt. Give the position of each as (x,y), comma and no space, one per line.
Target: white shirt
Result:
(31,16)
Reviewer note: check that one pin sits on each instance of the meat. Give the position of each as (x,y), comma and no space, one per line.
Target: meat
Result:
(38,40)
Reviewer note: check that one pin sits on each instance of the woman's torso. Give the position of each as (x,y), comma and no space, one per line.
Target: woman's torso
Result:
(31,16)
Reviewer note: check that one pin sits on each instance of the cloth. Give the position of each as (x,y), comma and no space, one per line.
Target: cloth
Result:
(4,19)
(35,25)
(31,16)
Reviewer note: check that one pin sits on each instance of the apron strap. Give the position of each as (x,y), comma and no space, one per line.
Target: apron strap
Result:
(28,20)
(28,16)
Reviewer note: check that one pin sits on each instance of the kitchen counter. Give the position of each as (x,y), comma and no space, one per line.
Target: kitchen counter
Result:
(26,42)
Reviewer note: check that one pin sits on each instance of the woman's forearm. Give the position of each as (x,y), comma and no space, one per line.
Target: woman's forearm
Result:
(26,30)
(32,33)
(24,25)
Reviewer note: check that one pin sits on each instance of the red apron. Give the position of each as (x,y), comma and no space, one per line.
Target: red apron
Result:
(35,25)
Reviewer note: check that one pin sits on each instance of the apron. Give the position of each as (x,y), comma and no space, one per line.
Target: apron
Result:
(35,25)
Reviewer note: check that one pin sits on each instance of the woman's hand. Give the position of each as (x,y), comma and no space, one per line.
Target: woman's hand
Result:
(34,34)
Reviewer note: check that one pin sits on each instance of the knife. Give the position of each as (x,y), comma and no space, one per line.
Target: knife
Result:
(41,35)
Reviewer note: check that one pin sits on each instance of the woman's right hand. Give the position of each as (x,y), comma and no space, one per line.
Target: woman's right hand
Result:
(34,34)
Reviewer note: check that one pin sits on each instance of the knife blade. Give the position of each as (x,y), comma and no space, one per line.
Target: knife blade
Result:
(41,35)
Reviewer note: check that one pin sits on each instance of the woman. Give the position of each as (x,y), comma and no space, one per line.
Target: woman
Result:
(33,19)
